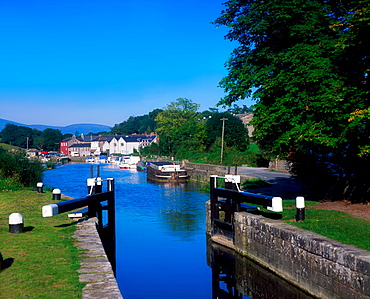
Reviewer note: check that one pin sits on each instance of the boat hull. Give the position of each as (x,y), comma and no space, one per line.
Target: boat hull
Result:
(166,176)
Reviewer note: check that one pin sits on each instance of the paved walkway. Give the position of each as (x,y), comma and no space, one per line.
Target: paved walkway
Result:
(96,270)
(282,184)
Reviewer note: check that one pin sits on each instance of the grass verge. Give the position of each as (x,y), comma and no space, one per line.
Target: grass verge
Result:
(42,261)
(332,224)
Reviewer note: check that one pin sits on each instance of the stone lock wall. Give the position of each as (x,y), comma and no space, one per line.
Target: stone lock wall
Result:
(202,172)
(321,266)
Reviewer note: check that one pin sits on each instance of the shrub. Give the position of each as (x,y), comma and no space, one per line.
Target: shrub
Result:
(17,170)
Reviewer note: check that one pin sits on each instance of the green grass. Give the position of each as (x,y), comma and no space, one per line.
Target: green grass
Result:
(9,147)
(335,225)
(44,258)
(332,224)
(9,185)
(254,183)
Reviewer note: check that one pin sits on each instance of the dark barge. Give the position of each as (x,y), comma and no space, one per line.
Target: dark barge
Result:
(166,172)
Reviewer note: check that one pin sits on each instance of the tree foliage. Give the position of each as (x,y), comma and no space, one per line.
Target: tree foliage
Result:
(235,133)
(19,135)
(47,140)
(306,63)
(137,124)
(19,170)
(177,126)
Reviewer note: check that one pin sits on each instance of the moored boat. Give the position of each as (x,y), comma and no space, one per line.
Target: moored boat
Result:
(141,165)
(90,159)
(129,162)
(166,172)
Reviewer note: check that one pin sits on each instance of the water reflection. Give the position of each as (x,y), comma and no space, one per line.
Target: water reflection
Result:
(234,276)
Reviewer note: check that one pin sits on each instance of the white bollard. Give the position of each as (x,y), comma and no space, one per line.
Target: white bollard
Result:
(40,186)
(300,205)
(277,204)
(90,186)
(57,194)
(16,223)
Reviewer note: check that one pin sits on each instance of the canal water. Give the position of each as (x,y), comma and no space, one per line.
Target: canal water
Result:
(161,246)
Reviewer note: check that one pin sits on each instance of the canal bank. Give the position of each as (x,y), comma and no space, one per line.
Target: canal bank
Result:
(96,270)
(321,266)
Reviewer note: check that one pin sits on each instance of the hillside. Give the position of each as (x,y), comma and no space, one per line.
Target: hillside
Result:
(71,129)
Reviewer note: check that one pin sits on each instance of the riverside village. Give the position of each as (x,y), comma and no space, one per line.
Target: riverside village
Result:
(185,149)
(110,192)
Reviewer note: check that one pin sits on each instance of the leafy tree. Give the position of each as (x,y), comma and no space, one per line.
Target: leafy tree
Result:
(306,63)
(177,124)
(152,149)
(235,133)
(240,110)
(51,138)
(137,124)
(19,135)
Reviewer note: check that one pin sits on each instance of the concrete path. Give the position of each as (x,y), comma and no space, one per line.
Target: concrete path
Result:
(282,184)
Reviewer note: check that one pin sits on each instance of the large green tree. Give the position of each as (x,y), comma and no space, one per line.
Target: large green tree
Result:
(235,133)
(137,124)
(306,63)
(178,127)
(49,140)
(19,135)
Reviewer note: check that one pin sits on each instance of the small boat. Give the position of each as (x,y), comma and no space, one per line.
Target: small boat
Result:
(103,159)
(141,165)
(114,159)
(129,162)
(166,172)
(90,159)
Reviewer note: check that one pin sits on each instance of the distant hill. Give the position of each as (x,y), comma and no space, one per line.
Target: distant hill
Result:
(71,129)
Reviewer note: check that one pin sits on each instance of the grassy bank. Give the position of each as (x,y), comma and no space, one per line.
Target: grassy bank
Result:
(42,261)
(332,224)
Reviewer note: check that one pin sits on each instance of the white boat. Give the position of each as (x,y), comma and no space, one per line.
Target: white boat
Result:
(90,159)
(129,162)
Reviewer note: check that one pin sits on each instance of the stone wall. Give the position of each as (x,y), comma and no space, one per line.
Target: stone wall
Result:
(202,172)
(96,270)
(212,169)
(321,266)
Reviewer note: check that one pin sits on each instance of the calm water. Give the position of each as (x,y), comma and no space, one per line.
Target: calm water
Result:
(161,249)
(161,245)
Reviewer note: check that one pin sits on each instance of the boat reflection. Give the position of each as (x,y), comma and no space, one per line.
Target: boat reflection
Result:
(235,276)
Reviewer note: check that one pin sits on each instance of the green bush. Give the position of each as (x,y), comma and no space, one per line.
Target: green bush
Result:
(251,156)
(17,170)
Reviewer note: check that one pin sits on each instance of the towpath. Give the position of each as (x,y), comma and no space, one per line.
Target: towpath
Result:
(281,184)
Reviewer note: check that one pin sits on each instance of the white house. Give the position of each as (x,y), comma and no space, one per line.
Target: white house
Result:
(121,144)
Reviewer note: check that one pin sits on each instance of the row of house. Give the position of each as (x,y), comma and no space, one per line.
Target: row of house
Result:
(107,144)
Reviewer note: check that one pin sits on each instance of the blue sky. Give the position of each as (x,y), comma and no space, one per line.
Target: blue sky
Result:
(101,61)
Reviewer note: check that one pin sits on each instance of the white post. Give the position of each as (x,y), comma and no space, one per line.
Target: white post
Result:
(300,205)
(91,186)
(57,194)
(40,186)
(277,204)
(16,223)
